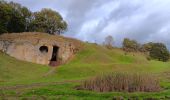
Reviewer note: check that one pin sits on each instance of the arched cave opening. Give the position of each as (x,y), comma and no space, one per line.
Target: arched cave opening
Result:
(43,49)
(54,58)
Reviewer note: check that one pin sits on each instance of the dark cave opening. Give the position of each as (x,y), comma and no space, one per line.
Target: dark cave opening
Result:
(43,49)
(54,58)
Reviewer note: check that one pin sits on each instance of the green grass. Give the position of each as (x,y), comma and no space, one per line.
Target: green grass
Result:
(14,71)
(67,91)
(90,61)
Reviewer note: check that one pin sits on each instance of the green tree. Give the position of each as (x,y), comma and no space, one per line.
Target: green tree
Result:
(14,17)
(48,21)
(5,16)
(19,20)
(130,45)
(146,47)
(159,51)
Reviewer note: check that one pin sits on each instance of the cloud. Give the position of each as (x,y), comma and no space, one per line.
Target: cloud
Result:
(93,20)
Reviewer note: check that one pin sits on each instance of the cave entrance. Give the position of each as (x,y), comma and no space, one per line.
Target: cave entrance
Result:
(43,49)
(54,58)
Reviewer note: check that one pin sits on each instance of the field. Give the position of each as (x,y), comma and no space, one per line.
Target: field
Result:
(24,80)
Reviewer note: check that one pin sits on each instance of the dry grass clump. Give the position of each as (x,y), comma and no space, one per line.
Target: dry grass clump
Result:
(121,82)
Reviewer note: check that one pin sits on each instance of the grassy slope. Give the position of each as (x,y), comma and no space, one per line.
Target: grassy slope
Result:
(14,71)
(88,62)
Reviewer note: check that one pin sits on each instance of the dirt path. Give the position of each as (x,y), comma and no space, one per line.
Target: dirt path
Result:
(33,85)
(36,85)
(53,70)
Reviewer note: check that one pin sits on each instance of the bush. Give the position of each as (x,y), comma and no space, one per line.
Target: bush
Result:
(160,52)
(156,51)
(121,82)
(130,45)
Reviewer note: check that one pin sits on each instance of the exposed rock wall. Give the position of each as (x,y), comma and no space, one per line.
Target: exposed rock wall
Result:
(29,50)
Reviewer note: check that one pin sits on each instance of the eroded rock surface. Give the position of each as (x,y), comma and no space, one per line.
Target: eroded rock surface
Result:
(38,48)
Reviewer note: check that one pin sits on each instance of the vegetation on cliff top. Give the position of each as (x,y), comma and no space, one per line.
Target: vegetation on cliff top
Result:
(17,18)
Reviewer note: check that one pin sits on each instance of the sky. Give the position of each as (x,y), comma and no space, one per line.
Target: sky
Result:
(93,20)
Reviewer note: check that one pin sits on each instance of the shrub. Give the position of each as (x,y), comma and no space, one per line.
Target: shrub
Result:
(130,45)
(156,51)
(159,51)
(121,82)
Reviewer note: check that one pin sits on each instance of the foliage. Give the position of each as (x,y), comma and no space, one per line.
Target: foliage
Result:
(17,18)
(122,82)
(146,47)
(48,21)
(153,50)
(109,41)
(159,51)
(130,45)
(14,17)
(5,16)
(156,51)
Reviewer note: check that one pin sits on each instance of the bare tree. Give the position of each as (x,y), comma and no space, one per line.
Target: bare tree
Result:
(109,41)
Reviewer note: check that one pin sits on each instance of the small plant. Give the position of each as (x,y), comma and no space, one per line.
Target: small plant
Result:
(121,82)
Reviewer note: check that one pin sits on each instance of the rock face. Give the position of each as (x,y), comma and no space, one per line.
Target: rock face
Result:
(38,48)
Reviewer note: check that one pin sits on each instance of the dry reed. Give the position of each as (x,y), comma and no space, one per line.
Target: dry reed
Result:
(121,82)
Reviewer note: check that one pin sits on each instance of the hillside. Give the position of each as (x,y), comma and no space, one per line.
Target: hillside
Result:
(91,60)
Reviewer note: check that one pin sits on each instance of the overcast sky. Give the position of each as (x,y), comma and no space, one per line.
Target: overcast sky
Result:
(93,20)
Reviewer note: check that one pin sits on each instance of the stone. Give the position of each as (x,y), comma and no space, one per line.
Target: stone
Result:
(40,48)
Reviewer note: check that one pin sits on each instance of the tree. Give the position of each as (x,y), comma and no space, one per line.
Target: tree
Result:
(48,21)
(16,23)
(16,18)
(13,17)
(5,16)
(26,13)
(109,41)
(146,47)
(130,45)
(160,52)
